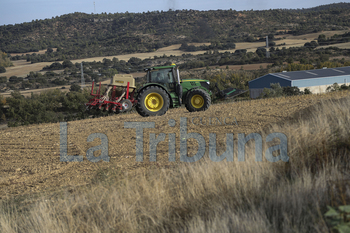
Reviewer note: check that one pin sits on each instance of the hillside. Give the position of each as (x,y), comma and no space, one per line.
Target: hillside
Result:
(80,35)
(31,155)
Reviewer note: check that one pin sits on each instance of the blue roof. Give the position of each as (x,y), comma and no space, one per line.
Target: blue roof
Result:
(311,74)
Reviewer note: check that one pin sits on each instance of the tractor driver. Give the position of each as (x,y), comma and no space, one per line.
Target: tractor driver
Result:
(160,78)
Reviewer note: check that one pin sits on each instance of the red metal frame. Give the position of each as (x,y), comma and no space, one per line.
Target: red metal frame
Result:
(113,105)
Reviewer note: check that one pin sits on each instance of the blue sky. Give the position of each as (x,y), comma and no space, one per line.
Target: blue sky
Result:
(19,11)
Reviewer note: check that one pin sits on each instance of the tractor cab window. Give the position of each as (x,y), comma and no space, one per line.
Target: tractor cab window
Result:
(162,76)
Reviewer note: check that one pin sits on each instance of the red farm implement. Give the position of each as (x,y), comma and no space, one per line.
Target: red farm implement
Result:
(118,97)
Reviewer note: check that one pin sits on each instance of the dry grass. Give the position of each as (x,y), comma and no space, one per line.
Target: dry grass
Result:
(213,197)
(22,68)
(340,45)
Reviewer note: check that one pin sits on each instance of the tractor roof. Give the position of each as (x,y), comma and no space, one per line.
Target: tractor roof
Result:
(159,67)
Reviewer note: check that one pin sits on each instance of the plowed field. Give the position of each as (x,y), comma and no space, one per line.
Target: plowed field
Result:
(30,155)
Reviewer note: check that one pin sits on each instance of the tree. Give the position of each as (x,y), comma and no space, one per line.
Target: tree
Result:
(334,87)
(290,60)
(344,87)
(75,87)
(322,39)
(261,51)
(289,91)
(67,64)
(134,61)
(307,91)
(313,44)
(54,66)
(275,91)
(13,79)
(2,103)
(2,69)
(240,51)
(3,79)
(272,43)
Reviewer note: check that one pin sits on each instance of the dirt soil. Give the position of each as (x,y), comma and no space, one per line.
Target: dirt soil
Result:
(30,155)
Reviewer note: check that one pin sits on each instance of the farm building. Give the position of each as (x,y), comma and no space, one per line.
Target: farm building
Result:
(316,80)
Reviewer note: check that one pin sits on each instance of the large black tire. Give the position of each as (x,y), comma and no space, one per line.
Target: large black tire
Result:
(197,100)
(152,101)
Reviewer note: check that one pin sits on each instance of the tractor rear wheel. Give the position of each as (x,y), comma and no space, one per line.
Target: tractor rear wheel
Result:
(197,100)
(152,101)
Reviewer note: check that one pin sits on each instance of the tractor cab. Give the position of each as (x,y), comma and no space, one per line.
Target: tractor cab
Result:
(161,76)
(167,76)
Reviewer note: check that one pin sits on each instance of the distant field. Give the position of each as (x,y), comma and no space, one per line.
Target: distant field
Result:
(37,91)
(312,36)
(341,46)
(238,67)
(22,68)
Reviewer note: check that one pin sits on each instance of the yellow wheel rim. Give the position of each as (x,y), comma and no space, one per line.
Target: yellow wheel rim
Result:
(197,101)
(154,102)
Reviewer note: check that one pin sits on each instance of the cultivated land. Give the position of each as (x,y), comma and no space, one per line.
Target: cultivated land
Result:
(30,155)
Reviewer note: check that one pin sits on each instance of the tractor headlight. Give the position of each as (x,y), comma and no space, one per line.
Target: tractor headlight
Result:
(208,83)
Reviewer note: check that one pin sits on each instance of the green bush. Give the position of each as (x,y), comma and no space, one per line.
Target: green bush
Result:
(2,69)
(334,87)
(290,91)
(49,106)
(3,79)
(276,91)
(307,91)
(15,79)
(344,87)
(339,218)
(75,87)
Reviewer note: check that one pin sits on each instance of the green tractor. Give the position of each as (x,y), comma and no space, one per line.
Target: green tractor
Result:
(164,89)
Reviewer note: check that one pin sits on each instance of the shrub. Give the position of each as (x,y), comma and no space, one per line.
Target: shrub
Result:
(289,91)
(334,87)
(75,87)
(275,91)
(2,69)
(15,79)
(344,87)
(307,91)
(3,79)
(339,220)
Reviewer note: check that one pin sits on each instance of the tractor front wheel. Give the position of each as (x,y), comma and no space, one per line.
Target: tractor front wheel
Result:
(197,100)
(152,101)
